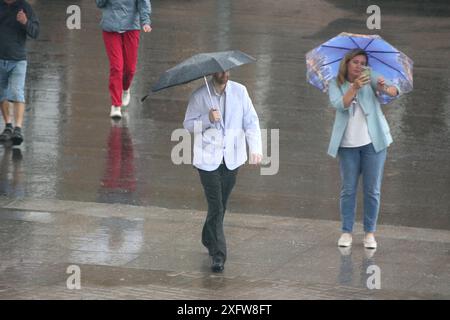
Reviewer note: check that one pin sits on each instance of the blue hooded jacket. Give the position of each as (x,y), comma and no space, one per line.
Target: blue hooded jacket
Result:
(124,15)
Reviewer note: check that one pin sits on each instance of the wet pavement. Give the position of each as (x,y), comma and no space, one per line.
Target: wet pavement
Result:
(130,252)
(75,156)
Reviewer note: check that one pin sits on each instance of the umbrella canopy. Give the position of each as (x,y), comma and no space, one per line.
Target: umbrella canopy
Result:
(201,65)
(323,61)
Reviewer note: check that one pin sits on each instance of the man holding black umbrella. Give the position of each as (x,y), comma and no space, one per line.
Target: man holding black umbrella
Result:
(222,116)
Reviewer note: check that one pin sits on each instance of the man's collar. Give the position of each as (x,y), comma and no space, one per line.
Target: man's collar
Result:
(214,88)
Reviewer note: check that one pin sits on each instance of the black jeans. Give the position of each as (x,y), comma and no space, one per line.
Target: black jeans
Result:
(217,185)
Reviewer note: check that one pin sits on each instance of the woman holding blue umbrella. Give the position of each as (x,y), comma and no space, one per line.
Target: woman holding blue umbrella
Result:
(360,138)
(361,134)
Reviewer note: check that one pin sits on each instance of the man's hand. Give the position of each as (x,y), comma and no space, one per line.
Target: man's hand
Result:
(22,17)
(214,115)
(255,159)
(146,28)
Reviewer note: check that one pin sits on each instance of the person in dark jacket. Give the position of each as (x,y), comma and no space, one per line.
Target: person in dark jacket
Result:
(17,21)
(121,24)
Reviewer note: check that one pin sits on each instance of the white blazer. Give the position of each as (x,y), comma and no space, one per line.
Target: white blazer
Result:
(214,142)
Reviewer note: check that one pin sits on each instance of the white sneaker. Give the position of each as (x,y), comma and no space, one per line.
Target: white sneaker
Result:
(115,112)
(345,240)
(369,242)
(126,97)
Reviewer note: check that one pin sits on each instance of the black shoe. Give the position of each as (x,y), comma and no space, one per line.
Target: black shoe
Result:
(6,134)
(17,137)
(217,264)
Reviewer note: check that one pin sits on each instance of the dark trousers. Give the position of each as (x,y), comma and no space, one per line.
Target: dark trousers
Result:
(217,185)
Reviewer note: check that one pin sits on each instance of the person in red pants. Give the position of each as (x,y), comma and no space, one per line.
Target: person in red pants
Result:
(121,24)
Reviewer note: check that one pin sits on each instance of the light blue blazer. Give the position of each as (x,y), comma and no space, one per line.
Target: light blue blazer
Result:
(378,127)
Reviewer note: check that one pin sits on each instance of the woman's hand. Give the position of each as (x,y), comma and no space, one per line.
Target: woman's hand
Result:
(361,81)
(147,28)
(381,83)
(381,87)
(357,84)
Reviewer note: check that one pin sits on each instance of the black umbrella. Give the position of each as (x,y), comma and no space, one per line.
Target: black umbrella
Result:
(201,65)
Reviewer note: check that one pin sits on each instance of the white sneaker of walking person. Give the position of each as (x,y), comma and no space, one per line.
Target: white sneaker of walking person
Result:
(126,97)
(369,241)
(115,112)
(345,240)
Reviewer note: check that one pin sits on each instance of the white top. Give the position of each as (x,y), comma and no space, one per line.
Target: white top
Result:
(220,98)
(356,134)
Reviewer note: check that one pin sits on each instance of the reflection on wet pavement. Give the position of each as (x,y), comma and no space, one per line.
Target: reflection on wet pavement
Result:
(119,181)
(131,252)
(11,173)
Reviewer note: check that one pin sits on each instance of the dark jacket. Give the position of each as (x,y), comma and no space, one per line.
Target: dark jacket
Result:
(13,34)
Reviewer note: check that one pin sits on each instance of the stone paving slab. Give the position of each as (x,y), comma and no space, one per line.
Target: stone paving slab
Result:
(131,252)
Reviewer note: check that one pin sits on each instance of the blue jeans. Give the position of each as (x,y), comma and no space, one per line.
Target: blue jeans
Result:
(12,80)
(370,164)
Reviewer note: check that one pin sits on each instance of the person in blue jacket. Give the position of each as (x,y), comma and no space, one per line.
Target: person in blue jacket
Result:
(121,22)
(360,138)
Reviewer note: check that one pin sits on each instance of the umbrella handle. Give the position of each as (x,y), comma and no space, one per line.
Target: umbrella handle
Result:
(209,91)
(210,97)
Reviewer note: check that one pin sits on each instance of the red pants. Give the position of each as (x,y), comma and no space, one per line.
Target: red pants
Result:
(122,51)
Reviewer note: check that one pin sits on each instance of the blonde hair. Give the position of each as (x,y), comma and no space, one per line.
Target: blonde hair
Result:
(342,74)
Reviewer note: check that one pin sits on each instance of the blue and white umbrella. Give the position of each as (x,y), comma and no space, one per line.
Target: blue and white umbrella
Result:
(323,61)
